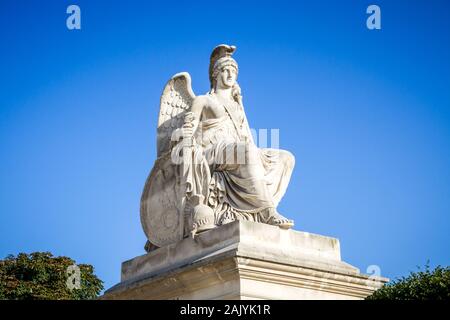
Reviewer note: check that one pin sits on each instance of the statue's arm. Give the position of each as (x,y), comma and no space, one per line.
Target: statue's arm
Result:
(197,108)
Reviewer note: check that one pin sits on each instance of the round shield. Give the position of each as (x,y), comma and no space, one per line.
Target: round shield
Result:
(161,207)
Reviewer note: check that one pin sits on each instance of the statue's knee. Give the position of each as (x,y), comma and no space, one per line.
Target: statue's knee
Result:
(288,158)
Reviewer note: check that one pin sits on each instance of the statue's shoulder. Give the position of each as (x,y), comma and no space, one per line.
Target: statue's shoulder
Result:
(204,100)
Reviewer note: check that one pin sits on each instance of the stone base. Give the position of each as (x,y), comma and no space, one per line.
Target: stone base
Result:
(244,260)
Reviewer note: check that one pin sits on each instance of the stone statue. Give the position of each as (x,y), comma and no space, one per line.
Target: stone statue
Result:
(209,171)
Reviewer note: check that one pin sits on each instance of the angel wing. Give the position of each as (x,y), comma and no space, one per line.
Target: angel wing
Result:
(176,100)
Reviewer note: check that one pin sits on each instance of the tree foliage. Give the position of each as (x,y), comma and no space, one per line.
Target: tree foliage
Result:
(40,276)
(421,285)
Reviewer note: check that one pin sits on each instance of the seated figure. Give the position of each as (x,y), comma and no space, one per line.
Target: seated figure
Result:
(209,171)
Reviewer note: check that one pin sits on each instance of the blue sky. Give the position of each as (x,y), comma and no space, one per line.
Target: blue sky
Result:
(366,113)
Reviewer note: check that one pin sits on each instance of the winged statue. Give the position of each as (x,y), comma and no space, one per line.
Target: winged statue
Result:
(208,170)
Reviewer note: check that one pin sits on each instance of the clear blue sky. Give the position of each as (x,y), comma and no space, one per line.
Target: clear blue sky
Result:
(366,113)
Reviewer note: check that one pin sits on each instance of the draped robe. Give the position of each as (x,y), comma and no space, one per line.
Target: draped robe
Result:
(243,180)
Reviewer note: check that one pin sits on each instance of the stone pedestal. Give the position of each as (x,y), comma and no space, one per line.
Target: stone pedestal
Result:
(244,260)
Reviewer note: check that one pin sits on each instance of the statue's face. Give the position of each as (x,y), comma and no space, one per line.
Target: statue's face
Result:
(227,77)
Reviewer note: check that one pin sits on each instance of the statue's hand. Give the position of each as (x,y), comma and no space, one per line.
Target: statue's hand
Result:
(186,131)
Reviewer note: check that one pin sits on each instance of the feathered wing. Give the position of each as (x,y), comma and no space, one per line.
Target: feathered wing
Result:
(176,100)
(162,213)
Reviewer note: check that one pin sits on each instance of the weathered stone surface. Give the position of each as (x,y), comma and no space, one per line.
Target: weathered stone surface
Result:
(244,260)
(209,171)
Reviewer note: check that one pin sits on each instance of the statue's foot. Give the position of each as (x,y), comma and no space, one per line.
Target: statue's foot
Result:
(277,219)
